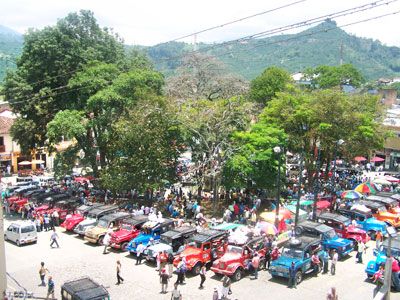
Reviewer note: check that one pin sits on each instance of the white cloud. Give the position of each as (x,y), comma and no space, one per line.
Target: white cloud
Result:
(154,21)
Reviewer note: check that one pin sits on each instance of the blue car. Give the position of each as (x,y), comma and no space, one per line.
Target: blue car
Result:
(380,256)
(366,221)
(150,230)
(330,240)
(299,251)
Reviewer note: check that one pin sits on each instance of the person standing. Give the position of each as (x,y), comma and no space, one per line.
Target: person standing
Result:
(181,272)
(325,258)
(42,273)
(255,263)
(170,261)
(292,276)
(158,261)
(203,272)
(106,242)
(139,252)
(176,294)
(361,249)
(315,263)
(46,221)
(164,278)
(378,239)
(119,278)
(226,287)
(54,238)
(335,258)
(50,288)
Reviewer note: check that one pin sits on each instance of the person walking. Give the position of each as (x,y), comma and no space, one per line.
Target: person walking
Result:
(335,258)
(42,273)
(139,252)
(292,276)
(106,242)
(255,263)
(361,249)
(54,238)
(325,258)
(164,278)
(170,261)
(315,263)
(119,278)
(378,239)
(50,288)
(176,294)
(46,222)
(203,272)
(226,287)
(181,272)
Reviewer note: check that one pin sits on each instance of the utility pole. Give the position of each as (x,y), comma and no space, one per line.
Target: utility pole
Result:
(3,276)
(341,53)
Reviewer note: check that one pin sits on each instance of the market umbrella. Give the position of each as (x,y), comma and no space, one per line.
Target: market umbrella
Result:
(323,204)
(267,228)
(359,158)
(366,188)
(24,163)
(391,178)
(287,214)
(377,159)
(382,181)
(351,195)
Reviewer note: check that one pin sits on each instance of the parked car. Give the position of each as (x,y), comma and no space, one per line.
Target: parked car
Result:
(330,240)
(380,212)
(234,262)
(203,249)
(365,220)
(299,251)
(79,215)
(83,289)
(108,222)
(63,208)
(150,230)
(343,227)
(92,218)
(21,232)
(172,241)
(392,205)
(128,230)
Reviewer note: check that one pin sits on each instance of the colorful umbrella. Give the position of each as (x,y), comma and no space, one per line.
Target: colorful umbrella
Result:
(351,195)
(287,214)
(377,159)
(366,188)
(359,158)
(267,228)
(323,204)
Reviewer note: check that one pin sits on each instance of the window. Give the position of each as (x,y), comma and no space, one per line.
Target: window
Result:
(15,229)
(27,229)
(206,246)
(1,140)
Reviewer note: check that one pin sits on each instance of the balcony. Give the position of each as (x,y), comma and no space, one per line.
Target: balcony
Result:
(2,148)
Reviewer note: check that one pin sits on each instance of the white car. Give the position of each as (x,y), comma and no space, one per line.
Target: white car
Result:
(21,232)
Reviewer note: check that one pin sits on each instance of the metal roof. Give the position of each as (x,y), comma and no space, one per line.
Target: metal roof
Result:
(314,226)
(395,242)
(179,231)
(208,235)
(115,216)
(370,204)
(381,199)
(85,289)
(335,217)
(136,220)
(304,242)
(102,209)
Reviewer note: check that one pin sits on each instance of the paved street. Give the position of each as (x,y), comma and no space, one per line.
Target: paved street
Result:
(76,258)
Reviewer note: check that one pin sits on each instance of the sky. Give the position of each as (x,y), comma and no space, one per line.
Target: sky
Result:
(150,22)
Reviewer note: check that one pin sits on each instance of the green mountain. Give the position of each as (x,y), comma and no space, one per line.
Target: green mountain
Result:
(10,47)
(324,44)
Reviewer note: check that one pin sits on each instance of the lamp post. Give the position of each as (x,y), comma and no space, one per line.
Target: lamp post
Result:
(316,181)
(278,151)
(337,144)
(3,276)
(389,261)
(296,219)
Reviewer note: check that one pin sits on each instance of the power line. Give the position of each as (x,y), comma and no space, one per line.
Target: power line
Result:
(235,21)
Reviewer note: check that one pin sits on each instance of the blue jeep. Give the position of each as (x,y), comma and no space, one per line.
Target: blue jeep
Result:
(330,240)
(299,251)
(150,230)
(380,256)
(366,221)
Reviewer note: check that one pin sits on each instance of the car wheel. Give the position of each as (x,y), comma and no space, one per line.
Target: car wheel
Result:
(5,237)
(196,269)
(18,243)
(299,277)
(237,275)
(372,235)
(124,246)
(298,230)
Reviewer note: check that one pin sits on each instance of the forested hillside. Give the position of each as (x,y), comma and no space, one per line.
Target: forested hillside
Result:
(10,48)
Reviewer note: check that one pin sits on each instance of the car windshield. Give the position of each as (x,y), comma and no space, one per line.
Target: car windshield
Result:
(382,209)
(331,234)
(347,223)
(126,227)
(27,229)
(102,224)
(234,249)
(294,253)
(165,240)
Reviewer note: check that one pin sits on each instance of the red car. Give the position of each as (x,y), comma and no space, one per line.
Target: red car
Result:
(79,215)
(203,248)
(129,229)
(234,261)
(63,208)
(343,228)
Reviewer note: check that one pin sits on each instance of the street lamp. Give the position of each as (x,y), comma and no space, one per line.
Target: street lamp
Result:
(316,181)
(278,152)
(296,219)
(337,144)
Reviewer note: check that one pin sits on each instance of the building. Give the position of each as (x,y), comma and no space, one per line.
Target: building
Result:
(9,150)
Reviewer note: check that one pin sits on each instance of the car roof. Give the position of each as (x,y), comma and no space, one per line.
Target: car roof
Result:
(207,235)
(335,217)
(381,199)
(115,216)
(179,231)
(136,220)
(303,242)
(322,228)
(101,209)
(22,223)
(395,243)
(370,204)
(85,289)
(395,196)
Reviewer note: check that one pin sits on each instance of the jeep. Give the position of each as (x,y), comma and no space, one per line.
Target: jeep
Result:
(391,204)
(79,215)
(92,218)
(128,230)
(96,234)
(380,212)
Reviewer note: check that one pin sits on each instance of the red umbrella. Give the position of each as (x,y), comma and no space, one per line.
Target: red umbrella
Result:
(377,159)
(359,158)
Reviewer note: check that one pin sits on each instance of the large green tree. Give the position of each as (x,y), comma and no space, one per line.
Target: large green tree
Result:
(39,88)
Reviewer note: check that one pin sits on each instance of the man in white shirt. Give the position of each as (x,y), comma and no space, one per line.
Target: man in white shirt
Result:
(54,238)
(139,252)
(335,259)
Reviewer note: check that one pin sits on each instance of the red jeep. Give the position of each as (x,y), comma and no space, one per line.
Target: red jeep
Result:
(129,229)
(79,215)
(236,258)
(203,248)
(343,228)
(63,208)
(18,204)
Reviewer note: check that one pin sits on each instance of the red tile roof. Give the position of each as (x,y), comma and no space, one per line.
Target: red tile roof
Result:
(5,125)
